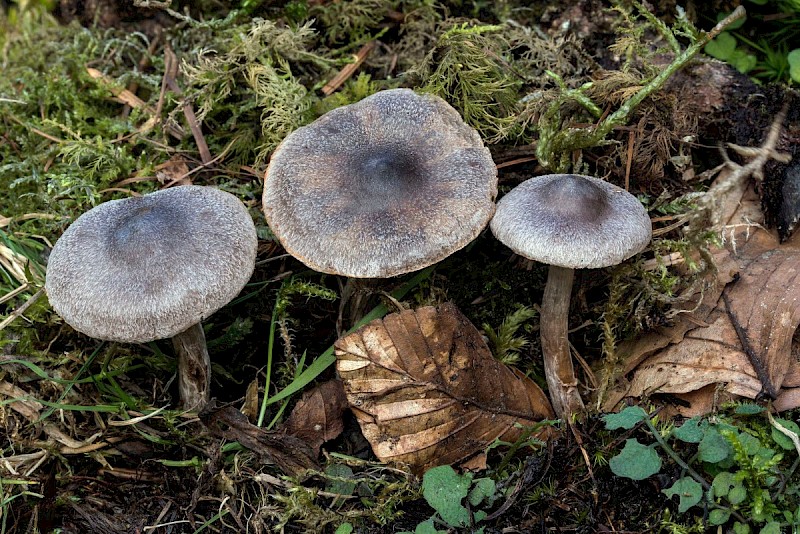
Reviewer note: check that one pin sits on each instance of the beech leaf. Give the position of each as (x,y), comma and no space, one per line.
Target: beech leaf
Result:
(317,416)
(290,453)
(427,391)
(746,342)
(736,335)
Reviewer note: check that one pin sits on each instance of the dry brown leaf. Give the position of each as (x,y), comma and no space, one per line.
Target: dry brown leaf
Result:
(250,406)
(291,454)
(427,391)
(317,416)
(174,171)
(739,340)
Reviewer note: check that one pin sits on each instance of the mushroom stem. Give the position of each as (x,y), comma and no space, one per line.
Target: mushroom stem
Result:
(553,327)
(354,302)
(194,367)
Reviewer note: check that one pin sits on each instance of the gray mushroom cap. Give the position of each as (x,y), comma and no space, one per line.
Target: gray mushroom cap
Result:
(149,267)
(382,187)
(572,221)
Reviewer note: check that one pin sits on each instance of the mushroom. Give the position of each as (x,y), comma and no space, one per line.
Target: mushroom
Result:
(379,188)
(570,222)
(153,267)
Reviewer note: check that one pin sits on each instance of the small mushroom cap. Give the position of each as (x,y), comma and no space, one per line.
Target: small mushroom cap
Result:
(149,267)
(572,221)
(382,187)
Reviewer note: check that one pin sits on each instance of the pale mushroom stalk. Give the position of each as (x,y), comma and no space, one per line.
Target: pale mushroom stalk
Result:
(553,329)
(568,221)
(194,366)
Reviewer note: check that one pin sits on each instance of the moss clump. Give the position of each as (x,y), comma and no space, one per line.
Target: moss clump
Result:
(246,90)
(353,22)
(352,91)
(505,341)
(65,140)
(467,68)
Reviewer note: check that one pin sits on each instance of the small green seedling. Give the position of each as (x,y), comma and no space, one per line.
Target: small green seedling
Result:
(447,492)
(764,44)
(725,48)
(742,458)
(794,65)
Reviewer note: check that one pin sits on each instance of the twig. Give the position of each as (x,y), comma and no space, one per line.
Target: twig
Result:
(761,371)
(130,474)
(19,311)
(555,139)
(629,159)
(765,152)
(349,69)
(12,463)
(666,229)
(37,131)
(91,447)
(584,454)
(737,13)
(33,215)
(515,162)
(144,61)
(129,99)
(525,481)
(137,420)
(738,174)
(170,73)
(14,292)
(675,258)
(129,192)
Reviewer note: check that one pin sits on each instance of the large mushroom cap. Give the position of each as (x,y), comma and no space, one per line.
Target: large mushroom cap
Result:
(386,186)
(572,221)
(149,267)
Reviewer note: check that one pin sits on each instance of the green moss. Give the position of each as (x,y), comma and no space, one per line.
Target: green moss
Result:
(381,492)
(65,138)
(352,91)
(505,341)
(467,68)
(351,22)
(246,90)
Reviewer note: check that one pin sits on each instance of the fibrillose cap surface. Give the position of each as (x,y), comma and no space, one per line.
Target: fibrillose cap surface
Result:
(149,267)
(382,187)
(572,221)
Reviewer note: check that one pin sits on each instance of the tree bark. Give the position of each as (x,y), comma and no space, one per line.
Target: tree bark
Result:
(194,367)
(553,327)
